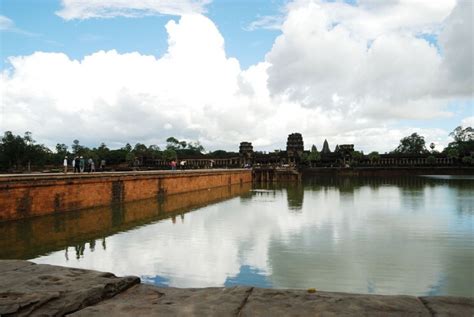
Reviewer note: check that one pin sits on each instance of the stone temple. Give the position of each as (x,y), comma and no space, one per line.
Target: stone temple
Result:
(294,147)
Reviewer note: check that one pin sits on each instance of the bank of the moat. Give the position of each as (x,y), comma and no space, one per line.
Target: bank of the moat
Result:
(25,196)
(37,289)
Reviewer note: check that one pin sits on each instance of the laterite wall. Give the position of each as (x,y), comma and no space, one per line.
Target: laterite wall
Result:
(29,196)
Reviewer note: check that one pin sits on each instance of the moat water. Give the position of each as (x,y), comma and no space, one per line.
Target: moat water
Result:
(399,235)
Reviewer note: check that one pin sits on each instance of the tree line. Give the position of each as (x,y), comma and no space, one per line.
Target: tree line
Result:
(20,153)
(23,153)
(461,148)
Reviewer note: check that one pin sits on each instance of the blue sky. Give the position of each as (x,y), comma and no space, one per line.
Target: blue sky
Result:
(344,70)
(40,29)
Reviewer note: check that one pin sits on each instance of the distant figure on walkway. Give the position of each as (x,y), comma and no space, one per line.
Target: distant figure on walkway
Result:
(91,165)
(182,164)
(65,165)
(73,162)
(102,165)
(76,164)
(82,164)
(136,164)
(173,165)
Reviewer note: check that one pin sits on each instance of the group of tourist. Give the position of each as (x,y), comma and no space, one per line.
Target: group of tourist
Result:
(79,164)
(174,164)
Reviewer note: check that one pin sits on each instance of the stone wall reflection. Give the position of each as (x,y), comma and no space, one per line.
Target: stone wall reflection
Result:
(33,237)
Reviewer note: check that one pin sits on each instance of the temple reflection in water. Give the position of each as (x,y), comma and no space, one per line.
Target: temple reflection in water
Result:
(409,235)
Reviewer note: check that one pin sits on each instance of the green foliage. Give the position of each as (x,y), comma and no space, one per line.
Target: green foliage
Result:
(127,148)
(61,149)
(314,156)
(172,140)
(19,153)
(102,151)
(77,149)
(177,145)
(310,158)
(154,151)
(462,135)
(468,160)
(463,143)
(452,152)
(196,147)
(140,149)
(219,154)
(173,144)
(116,156)
(431,160)
(169,154)
(357,155)
(130,157)
(374,156)
(413,144)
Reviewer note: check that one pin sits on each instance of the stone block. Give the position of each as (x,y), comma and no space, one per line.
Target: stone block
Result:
(47,290)
(148,300)
(269,302)
(12,265)
(444,306)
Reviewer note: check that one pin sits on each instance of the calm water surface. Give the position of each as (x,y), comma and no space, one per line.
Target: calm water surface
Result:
(409,235)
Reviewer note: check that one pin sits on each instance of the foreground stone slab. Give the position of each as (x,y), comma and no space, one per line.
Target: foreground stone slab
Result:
(12,265)
(37,289)
(147,300)
(268,302)
(449,306)
(45,290)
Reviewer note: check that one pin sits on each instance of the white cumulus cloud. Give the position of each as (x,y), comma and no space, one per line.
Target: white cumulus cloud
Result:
(326,76)
(325,50)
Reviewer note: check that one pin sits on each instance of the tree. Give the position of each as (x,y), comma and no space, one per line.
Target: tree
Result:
(30,149)
(172,143)
(413,144)
(169,154)
(463,141)
(127,148)
(452,152)
(61,149)
(219,153)
(13,149)
(374,156)
(77,148)
(154,151)
(467,160)
(61,152)
(140,149)
(102,152)
(357,156)
(17,151)
(431,160)
(314,156)
(130,158)
(196,147)
(462,135)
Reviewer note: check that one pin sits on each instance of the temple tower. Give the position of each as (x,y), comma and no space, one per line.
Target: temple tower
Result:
(245,153)
(294,147)
(326,149)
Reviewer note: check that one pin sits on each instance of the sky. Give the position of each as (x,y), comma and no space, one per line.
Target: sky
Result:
(224,71)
